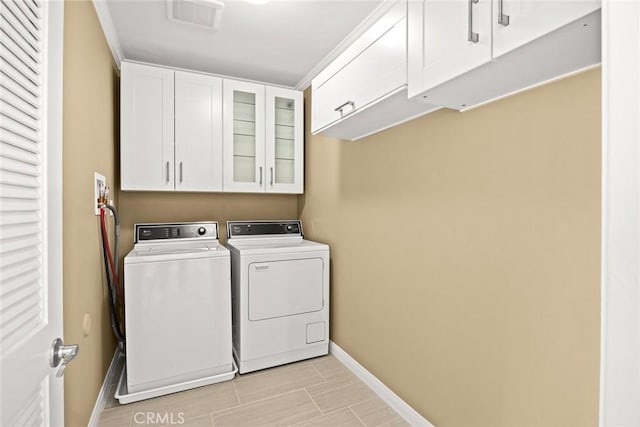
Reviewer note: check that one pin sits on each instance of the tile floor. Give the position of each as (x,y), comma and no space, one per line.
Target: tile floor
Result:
(318,392)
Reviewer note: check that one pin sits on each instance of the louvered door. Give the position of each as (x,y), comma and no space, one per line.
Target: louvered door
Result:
(30,210)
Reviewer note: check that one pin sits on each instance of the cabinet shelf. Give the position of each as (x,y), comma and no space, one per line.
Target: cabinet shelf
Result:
(244,121)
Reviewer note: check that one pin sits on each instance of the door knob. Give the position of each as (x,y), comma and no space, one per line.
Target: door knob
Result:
(61,355)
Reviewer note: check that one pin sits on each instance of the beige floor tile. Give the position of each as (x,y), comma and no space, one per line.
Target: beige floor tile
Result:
(339,394)
(116,417)
(269,397)
(283,410)
(281,368)
(376,413)
(202,421)
(192,403)
(331,368)
(276,381)
(331,385)
(343,418)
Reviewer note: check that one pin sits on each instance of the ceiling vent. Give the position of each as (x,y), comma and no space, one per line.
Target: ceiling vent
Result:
(201,13)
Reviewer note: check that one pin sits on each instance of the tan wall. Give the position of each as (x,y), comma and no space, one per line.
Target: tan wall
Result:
(89,141)
(465,256)
(139,207)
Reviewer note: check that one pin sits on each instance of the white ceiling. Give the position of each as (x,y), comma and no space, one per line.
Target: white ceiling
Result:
(279,42)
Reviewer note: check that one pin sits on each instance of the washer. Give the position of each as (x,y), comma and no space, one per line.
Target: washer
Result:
(177,309)
(280,294)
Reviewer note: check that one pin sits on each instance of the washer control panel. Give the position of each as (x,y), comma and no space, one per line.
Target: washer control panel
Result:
(175,231)
(264,228)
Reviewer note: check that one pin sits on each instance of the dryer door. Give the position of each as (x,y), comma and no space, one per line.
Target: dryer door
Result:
(285,288)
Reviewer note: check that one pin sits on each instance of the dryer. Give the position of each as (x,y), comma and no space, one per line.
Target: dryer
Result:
(280,294)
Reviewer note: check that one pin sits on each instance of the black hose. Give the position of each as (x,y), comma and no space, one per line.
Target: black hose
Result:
(112,312)
(111,285)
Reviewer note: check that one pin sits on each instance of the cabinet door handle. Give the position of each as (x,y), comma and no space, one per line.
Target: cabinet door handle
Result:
(167,172)
(503,19)
(271,175)
(341,107)
(180,172)
(473,37)
(260,176)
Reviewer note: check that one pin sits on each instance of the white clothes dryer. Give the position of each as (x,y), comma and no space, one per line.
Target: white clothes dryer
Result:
(280,294)
(177,288)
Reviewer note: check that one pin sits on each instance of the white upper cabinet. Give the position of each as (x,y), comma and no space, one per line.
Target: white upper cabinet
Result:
(364,89)
(263,138)
(244,136)
(198,132)
(518,22)
(184,131)
(284,140)
(146,147)
(455,37)
(465,53)
(374,66)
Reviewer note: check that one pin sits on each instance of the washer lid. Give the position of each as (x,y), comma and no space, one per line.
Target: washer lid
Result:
(155,252)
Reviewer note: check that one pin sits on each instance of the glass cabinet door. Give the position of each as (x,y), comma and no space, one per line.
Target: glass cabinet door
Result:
(284,140)
(244,120)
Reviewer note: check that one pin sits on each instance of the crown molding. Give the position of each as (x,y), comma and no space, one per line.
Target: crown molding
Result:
(371,19)
(109,30)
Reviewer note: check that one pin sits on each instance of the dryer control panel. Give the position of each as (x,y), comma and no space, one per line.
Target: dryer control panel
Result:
(264,228)
(176,231)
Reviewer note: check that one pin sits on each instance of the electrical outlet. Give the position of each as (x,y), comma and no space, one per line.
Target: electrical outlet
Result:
(99,183)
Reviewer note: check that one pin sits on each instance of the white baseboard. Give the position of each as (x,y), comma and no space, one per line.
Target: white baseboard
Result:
(389,397)
(103,396)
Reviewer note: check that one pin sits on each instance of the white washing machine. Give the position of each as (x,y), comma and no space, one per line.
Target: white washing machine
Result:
(177,288)
(280,294)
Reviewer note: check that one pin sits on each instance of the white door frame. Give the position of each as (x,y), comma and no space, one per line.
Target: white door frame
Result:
(620,291)
(53,170)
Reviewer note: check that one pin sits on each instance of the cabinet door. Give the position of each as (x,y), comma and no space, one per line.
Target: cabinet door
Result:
(198,127)
(374,67)
(517,22)
(146,121)
(284,141)
(243,142)
(446,39)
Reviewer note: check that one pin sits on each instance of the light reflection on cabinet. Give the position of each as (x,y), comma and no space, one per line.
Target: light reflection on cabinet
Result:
(284,142)
(243,141)
(244,136)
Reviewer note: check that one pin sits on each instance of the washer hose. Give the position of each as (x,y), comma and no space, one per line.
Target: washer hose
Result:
(111,270)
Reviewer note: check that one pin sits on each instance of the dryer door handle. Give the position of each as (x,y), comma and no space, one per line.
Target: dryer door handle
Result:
(262,267)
